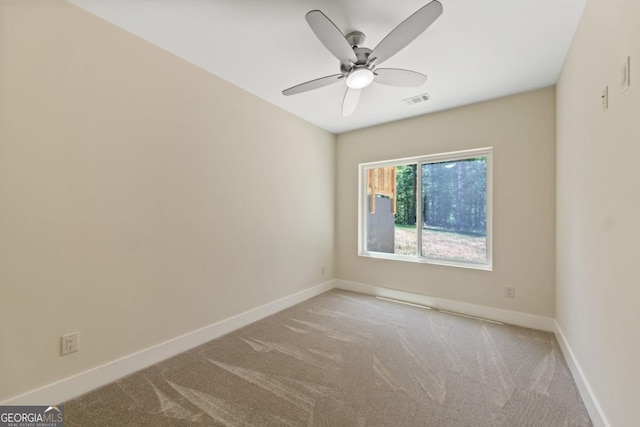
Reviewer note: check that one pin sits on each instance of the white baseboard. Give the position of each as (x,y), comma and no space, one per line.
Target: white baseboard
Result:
(596,413)
(83,382)
(506,316)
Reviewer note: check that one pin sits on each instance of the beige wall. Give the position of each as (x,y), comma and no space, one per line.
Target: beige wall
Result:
(521,129)
(140,197)
(598,206)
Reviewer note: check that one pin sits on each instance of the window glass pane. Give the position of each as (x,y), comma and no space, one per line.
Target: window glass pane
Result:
(454,210)
(391,210)
(405,222)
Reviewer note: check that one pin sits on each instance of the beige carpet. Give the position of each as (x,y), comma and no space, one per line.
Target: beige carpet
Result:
(345,359)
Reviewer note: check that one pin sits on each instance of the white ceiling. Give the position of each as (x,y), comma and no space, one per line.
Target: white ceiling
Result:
(477,50)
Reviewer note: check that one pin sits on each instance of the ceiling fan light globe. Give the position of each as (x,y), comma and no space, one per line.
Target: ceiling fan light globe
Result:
(359,78)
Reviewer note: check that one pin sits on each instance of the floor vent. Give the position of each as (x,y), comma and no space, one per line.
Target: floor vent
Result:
(470,317)
(453,313)
(416,99)
(404,302)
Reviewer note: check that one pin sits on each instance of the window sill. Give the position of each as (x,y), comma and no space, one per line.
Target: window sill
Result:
(408,258)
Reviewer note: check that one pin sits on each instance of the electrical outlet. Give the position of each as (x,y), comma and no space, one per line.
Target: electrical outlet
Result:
(605,99)
(322,270)
(69,343)
(510,292)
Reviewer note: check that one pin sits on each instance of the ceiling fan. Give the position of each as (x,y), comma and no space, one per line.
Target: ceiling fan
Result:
(358,64)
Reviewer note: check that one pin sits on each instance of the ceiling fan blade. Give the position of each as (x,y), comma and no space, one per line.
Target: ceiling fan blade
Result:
(330,36)
(313,84)
(350,101)
(399,77)
(407,31)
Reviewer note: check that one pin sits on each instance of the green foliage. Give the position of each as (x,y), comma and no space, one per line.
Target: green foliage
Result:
(454,195)
(406,194)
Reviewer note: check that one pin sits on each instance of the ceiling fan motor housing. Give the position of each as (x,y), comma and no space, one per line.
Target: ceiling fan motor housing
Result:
(362,53)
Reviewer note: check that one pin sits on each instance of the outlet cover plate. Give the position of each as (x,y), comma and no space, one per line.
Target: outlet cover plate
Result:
(510,292)
(69,343)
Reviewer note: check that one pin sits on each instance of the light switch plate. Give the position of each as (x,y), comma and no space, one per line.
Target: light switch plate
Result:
(625,75)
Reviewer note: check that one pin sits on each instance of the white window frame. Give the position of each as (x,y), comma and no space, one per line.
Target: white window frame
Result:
(486,152)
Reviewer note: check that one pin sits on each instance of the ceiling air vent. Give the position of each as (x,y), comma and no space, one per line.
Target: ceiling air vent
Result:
(416,99)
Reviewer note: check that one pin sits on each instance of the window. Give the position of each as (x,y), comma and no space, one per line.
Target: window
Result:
(433,209)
